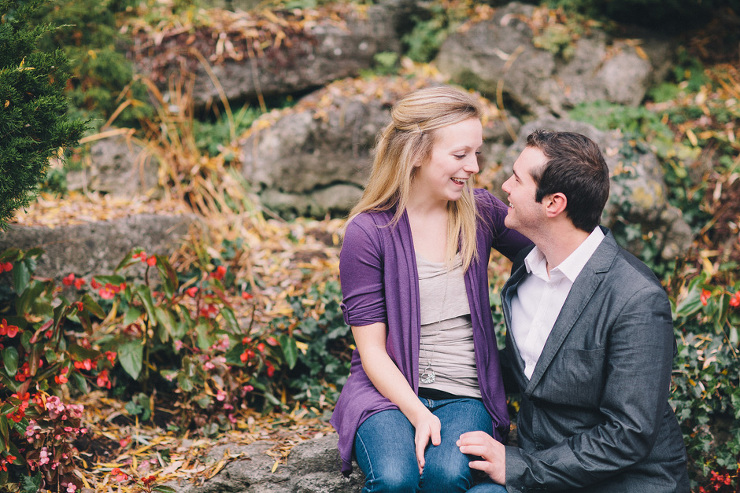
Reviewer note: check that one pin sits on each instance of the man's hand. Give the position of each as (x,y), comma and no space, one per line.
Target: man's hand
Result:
(492,452)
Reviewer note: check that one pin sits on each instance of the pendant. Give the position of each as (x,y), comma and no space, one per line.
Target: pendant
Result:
(428,376)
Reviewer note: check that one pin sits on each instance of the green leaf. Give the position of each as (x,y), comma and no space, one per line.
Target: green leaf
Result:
(3,431)
(80,382)
(691,304)
(131,356)
(81,353)
(204,337)
(21,276)
(166,319)
(92,306)
(146,298)
(131,316)
(114,280)
(289,348)
(124,262)
(168,275)
(230,318)
(184,383)
(10,360)
(31,484)
(29,296)
(9,255)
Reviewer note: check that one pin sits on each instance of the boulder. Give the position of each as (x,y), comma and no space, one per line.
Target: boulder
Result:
(312,467)
(503,54)
(118,166)
(97,247)
(638,193)
(276,53)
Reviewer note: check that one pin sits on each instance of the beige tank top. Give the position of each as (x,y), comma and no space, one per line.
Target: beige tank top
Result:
(446,354)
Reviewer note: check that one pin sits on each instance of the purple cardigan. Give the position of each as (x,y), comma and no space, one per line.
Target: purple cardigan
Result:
(380,283)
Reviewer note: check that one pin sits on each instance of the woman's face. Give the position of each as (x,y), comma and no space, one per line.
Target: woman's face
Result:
(453,161)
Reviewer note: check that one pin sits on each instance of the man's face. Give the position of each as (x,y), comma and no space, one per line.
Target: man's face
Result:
(524,213)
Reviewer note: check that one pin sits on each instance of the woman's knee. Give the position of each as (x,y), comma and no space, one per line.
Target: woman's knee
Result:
(393,480)
(449,475)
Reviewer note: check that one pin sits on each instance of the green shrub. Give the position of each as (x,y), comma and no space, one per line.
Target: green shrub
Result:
(33,121)
(41,353)
(92,41)
(322,342)
(706,386)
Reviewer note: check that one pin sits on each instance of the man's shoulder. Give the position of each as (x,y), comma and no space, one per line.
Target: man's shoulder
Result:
(629,272)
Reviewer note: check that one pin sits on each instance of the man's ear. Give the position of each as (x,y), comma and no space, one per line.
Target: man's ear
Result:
(555,204)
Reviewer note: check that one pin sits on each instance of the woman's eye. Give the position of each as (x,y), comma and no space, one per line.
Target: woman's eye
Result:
(459,156)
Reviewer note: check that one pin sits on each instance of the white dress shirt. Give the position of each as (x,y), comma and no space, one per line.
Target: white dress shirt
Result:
(539,298)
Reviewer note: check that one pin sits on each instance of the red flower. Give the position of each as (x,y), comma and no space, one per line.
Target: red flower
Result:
(69,280)
(23,373)
(107,292)
(219,273)
(192,291)
(272,341)
(94,284)
(79,282)
(246,355)
(6,267)
(79,305)
(111,356)
(151,261)
(119,475)
(86,364)
(9,330)
(62,377)
(103,380)
(270,369)
(705,295)
(735,299)
(247,296)
(149,480)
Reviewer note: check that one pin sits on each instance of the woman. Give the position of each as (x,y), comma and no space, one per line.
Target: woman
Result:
(413,270)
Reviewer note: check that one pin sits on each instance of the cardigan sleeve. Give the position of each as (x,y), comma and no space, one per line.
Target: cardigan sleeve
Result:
(361,274)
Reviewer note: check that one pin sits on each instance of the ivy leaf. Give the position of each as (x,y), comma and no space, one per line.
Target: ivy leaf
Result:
(21,276)
(131,356)
(290,349)
(10,360)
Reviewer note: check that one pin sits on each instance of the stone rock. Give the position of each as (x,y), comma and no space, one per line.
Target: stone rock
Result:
(326,50)
(312,163)
(97,247)
(312,467)
(500,54)
(638,192)
(314,159)
(118,166)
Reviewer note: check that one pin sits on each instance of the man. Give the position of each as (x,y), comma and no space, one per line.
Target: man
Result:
(589,342)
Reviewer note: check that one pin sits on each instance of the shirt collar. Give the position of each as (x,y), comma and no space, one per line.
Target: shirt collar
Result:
(536,263)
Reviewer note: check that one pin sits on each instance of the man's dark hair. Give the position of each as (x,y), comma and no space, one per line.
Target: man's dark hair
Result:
(576,168)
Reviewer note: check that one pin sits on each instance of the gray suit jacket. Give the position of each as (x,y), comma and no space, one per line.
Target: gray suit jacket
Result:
(595,415)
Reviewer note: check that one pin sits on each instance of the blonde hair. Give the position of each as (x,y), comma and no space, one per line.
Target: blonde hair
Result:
(408,140)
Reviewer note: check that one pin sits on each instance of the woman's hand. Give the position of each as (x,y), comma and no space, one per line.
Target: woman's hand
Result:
(390,382)
(491,451)
(427,427)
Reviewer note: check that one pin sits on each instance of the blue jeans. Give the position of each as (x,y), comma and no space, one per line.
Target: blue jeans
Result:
(385,450)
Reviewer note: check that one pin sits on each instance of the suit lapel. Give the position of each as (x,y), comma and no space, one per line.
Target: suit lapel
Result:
(519,271)
(579,297)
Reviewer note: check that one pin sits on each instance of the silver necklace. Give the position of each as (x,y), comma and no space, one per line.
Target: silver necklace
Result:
(427,375)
